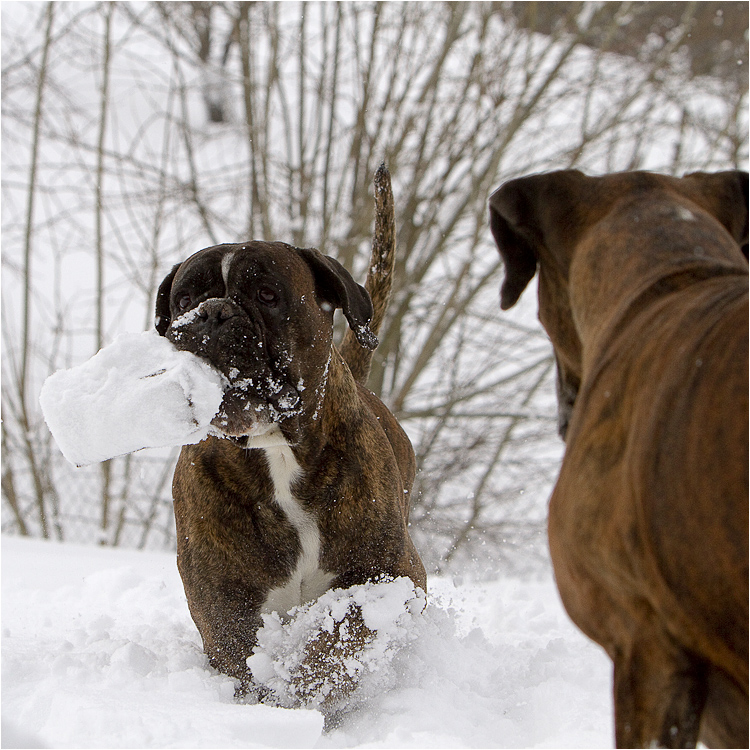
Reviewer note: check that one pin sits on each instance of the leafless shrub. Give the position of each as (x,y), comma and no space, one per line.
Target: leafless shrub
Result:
(134,134)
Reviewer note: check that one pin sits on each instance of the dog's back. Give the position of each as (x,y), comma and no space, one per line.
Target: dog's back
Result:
(697,449)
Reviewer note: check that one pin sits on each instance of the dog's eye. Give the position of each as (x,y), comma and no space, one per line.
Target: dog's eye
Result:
(268,297)
(184,302)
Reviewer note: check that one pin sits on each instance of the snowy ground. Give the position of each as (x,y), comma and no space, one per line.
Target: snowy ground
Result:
(99,650)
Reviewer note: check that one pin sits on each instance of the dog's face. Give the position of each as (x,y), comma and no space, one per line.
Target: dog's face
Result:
(542,221)
(262,314)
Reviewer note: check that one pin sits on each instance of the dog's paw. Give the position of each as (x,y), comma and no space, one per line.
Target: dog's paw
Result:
(336,651)
(248,693)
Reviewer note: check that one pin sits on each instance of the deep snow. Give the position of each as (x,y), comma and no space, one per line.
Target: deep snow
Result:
(98,650)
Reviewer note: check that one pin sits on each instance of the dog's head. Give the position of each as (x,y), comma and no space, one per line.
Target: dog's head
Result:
(262,314)
(540,221)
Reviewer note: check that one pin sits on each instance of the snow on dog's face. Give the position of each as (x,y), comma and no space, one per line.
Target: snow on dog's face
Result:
(262,314)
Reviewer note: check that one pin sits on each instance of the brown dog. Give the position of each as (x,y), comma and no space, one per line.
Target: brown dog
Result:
(305,486)
(643,290)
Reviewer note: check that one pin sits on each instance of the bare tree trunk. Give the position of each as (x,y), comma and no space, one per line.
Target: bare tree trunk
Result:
(106,466)
(23,380)
(455,97)
(258,216)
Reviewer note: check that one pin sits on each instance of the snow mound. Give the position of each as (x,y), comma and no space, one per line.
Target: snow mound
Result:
(339,648)
(99,650)
(102,652)
(138,392)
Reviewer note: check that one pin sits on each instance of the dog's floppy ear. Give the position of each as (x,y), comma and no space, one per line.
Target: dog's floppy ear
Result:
(531,215)
(512,240)
(336,286)
(742,178)
(163,316)
(725,196)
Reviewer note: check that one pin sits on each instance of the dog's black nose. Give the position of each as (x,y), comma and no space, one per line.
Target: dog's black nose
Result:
(213,312)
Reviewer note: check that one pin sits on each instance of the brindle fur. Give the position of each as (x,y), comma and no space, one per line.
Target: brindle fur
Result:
(357,466)
(643,290)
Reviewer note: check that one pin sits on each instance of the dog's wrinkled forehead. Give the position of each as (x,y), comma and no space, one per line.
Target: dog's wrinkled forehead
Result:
(220,269)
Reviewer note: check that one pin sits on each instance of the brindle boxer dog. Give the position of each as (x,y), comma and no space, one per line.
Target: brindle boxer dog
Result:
(643,290)
(306,485)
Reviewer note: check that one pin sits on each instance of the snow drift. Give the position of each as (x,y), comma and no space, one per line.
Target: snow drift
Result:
(98,650)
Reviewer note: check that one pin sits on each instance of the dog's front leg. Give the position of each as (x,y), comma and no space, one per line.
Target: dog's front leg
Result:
(332,664)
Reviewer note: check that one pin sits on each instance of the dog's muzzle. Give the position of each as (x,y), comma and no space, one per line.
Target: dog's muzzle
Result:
(260,392)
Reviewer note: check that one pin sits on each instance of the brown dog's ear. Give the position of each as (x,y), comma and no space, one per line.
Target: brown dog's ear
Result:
(725,196)
(742,178)
(163,316)
(512,240)
(531,214)
(336,286)
(736,187)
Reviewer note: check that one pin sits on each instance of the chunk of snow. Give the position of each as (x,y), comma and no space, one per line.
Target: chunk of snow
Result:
(138,392)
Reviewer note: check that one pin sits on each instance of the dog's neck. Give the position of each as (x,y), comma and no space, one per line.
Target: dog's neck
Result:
(609,271)
(337,385)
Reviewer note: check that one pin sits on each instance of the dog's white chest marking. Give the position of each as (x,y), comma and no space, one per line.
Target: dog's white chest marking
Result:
(307,581)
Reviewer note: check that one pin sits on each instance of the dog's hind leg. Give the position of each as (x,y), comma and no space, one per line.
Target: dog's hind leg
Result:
(659,692)
(725,718)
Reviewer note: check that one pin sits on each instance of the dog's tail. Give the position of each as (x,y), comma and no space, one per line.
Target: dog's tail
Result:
(379,275)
